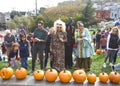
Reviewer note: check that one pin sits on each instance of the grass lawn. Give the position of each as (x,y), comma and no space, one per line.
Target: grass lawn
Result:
(96,67)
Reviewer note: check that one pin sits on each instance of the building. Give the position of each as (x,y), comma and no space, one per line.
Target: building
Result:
(109,11)
(2,18)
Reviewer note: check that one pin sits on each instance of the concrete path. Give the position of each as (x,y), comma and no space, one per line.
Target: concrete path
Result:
(29,81)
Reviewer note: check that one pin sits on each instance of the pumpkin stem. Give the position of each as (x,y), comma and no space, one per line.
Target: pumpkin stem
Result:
(64,70)
(50,69)
(38,71)
(103,73)
(115,72)
(19,68)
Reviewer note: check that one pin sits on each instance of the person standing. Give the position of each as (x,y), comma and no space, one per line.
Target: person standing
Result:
(112,47)
(9,39)
(84,47)
(97,39)
(23,51)
(40,37)
(69,47)
(58,45)
(47,48)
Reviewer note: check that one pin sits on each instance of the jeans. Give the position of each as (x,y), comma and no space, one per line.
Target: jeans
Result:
(24,62)
(38,49)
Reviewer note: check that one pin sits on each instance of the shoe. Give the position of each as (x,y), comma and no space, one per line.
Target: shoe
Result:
(110,64)
(104,65)
(113,68)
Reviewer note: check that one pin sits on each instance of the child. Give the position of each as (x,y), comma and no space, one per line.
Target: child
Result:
(112,47)
(103,42)
(24,50)
(13,56)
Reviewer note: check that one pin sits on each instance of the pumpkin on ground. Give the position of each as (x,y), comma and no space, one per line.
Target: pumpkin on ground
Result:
(79,76)
(38,75)
(51,75)
(6,73)
(114,77)
(65,76)
(98,51)
(103,77)
(91,78)
(21,73)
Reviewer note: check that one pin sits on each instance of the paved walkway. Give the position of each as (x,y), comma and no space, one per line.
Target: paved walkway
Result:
(29,81)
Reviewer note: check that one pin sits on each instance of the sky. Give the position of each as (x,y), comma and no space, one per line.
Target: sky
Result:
(26,5)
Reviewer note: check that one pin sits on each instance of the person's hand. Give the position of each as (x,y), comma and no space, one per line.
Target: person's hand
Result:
(35,39)
(61,39)
(79,39)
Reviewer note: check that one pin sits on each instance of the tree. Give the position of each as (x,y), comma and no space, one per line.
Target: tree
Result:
(11,24)
(88,14)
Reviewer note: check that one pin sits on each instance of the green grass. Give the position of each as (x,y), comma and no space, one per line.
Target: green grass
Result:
(96,67)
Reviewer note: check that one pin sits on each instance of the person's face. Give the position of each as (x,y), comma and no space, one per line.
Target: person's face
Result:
(40,25)
(59,27)
(16,48)
(51,31)
(79,26)
(23,38)
(115,31)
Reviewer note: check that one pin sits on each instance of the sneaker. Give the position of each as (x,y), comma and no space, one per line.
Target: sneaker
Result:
(113,68)
(104,65)
(110,64)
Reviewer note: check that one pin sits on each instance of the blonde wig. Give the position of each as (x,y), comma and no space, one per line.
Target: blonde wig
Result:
(59,22)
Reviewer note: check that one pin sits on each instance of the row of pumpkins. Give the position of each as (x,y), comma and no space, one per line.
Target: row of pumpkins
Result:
(65,76)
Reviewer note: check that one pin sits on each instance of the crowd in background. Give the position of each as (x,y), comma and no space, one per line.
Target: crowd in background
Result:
(63,44)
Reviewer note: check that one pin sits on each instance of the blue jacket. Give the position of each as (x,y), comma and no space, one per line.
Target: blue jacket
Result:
(24,49)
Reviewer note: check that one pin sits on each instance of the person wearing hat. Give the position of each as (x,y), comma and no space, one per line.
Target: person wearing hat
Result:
(84,47)
(39,43)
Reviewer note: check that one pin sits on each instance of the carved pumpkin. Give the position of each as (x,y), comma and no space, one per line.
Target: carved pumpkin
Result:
(79,76)
(51,75)
(98,51)
(65,76)
(103,77)
(114,77)
(21,73)
(38,75)
(6,73)
(91,78)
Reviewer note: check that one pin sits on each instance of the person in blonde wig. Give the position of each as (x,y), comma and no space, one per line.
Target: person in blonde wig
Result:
(84,47)
(57,45)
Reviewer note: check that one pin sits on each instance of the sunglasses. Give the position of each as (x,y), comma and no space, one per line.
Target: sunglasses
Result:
(59,27)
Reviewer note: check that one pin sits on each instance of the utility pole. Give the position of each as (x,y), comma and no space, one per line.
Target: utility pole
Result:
(36,7)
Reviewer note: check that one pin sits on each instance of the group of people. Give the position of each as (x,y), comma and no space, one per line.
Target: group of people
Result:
(109,41)
(60,42)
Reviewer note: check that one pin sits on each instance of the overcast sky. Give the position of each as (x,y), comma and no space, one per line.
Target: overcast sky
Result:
(25,5)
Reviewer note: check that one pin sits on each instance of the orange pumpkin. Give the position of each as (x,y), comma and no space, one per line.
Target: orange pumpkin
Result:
(91,78)
(114,77)
(51,75)
(6,73)
(79,76)
(21,73)
(103,77)
(65,76)
(38,75)
(98,51)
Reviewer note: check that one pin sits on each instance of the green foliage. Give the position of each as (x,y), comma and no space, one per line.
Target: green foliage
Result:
(10,24)
(88,12)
